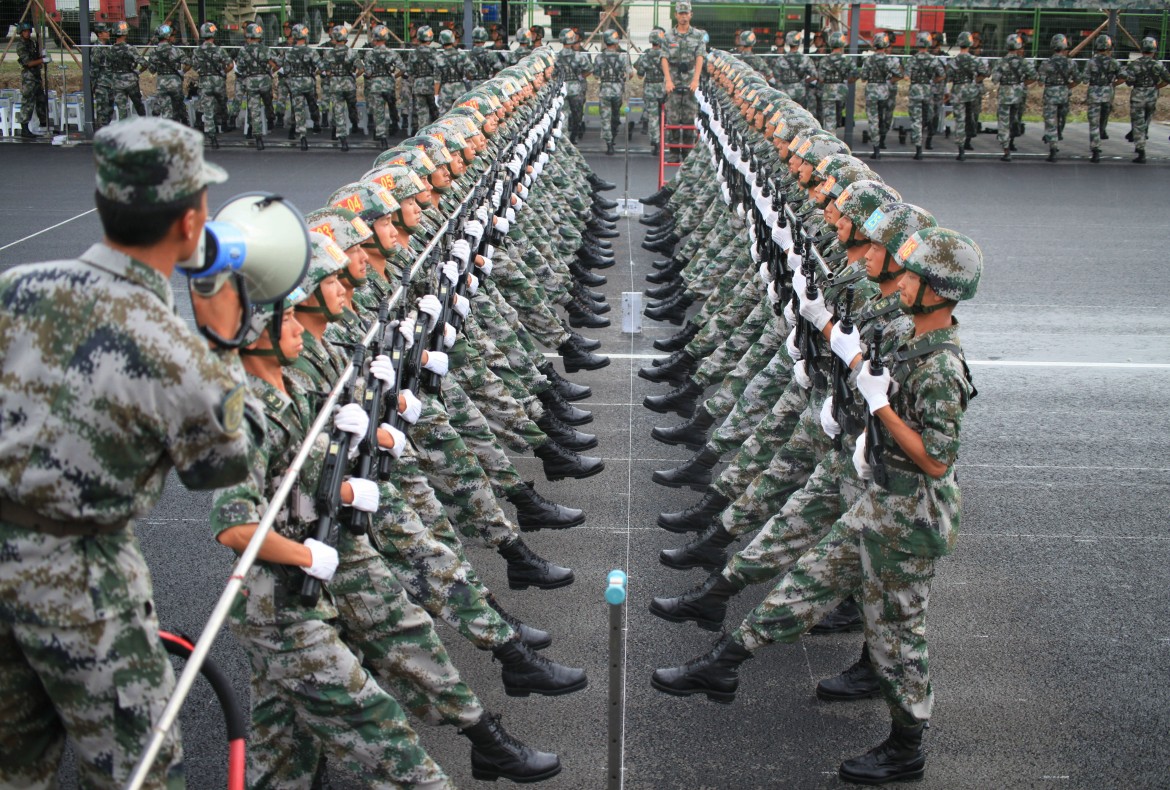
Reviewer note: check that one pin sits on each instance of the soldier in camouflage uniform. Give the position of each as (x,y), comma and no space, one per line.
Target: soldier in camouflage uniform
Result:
(886,545)
(212,64)
(79,649)
(1014,74)
(573,66)
(124,64)
(612,67)
(649,68)
(342,66)
(254,65)
(452,64)
(924,71)
(1145,76)
(381,65)
(880,70)
(32,85)
(422,70)
(100,77)
(1102,73)
(966,73)
(299,69)
(167,63)
(836,72)
(682,63)
(1059,74)
(744,42)
(938,92)
(482,61)
(792,71)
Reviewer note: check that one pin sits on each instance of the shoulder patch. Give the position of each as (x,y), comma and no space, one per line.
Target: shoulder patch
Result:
(232,409)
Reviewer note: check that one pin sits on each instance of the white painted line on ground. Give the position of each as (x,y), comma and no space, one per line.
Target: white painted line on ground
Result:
(46,230)
(986,363)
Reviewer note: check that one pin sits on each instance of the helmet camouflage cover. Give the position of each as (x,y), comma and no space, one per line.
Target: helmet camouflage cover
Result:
(892,224)
(1059,42)
(840,170)
(327,255)
(965,39)
(836,40)
(425,34)
(923,39)
(792,38)
(1103,43)
(207,30)
(1015,41)
(342,225)
(400,181)
(479,35)
(949,262)
(1149,45)
(746,39)
(858,200)
(367,200)
(881,41)
(446,36)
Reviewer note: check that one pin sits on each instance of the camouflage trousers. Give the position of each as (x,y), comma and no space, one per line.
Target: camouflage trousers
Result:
(880,115)
(652,103)
(213,103)
(505,415)
(300,110)
(1053,113)
(33,98)
(477,433)
(382,104)
(256,93)
(610,110)
(719,364)
(738,418)
(1142,104)
(769,435)
(528,295)
(168,98)
(310,694)
(747,382)
(341,93)
(103,684)
(724,316)
(895,593)
(575,107)
(448,93)
(681,108)
(732,264)
(103,108)
(830,114)
(1008,117)
(966,118)
(127,98)
(920,111)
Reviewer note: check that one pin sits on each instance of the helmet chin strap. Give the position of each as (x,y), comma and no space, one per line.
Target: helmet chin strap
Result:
(885,275)
(918,308)
(321,308)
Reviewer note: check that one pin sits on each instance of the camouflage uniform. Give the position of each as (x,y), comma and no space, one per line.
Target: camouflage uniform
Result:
(212,64)
(124,63)
(572,66)
(1058,73)
(879,71)
(649,68)
(340,64)
(679,54)
(254,81)
(966,94)
(381,65)
(836,71)
(791,73)
(611,68)
(1100,74)
(451,65)
(481,63)
(1145,75)
(1011,72)
(300,66)
(32,85)
(923,69)
(103,84)
(422,68)
(167,62)
(79,647)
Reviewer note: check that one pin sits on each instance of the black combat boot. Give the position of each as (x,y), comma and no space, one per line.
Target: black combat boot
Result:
(697,517)
(896,759)
(678,340)
(596,306)
(962,153)
(581,317)
(674,372)
(526,672)
(598,183)
(495,753)
(664,246)
(564,435)
(344,143)
(1096,155)
(680,400)
(560,463)
(562,409)
(1052,153)
(304,143)
(664,291)
(877,152)
(860,681)
(695,474)
(533,637)
(930,142)
(659,198)
(527,569)
(882,141)
(1007,155)
(661,230)
(654,149)
(292,132)
(609,148)
(715,673)
(534,512)
(662,263)
(657,219)
(674,311)
(579,340)
(1140,159)
(584,276)
(27,133)
(601,213)
(604,203)
(692,433)
(704,551)
(599,232)
(259,142)
(568,390)
(918,152)
(666,275)
(705,604)
(968,145)
(577,358)
(845,617)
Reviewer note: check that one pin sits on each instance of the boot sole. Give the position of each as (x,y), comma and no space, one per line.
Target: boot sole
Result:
(686,566)
(537,526)
(722,697)
(706,625)
(686,412)
(589,324)
(512,691)
(572,368)
(541,585)
(695,486)
(677,530)
(520,779)
(662,345)
(642,374)
(573,398)
(591,473)
(577,447)
(829,696)
(836,629)
(576,420)
(676,442)
(905,776)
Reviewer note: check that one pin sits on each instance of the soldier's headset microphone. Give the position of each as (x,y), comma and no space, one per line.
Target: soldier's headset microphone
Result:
(261,242)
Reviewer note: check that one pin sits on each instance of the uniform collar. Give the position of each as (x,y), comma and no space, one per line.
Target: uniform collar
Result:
(946,334)
(123,266)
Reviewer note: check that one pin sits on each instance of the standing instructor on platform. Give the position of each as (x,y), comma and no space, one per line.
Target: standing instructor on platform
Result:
(682,63)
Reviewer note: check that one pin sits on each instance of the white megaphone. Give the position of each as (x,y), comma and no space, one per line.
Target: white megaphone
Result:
(259,238)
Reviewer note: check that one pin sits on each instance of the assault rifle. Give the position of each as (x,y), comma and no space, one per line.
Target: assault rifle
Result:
(874,452)
(374,404)
(839,372)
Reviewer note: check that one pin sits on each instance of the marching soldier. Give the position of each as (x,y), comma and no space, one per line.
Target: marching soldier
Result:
(300,66)
(793,71)
(483,62)
(381,65)
(422,71)
(124,64)
(649,68)
(682,63)
(1059,74)
(966,73)
(212,64)
(881,71)
(452,64)
(925,71)
(254,66)
(167,63)
(938,92)
(612,67)
(343,67)
(32,82)
(103,84)
(1102,73)
(1013,74)
(573,66)
(1146,76)
(836,72)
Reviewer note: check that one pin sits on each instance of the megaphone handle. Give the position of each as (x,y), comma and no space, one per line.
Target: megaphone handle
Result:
(211,334)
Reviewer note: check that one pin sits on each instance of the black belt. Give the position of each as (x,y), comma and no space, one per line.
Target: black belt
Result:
(22,516)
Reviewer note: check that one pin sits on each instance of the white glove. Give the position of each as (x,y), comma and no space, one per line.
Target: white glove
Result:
(814,310)
(782,236)
(859,463)
(723,190)
(461,305)
(510,214)
(473,228)
(472,284)
(430,305)
(481,215)
(413,408)
(365,495)
(845,346)
(828,424)
(789,315)
(437,363)
(873,388)
(740,211)
(800,375)
(450,272)
(383,369)
(790,344)
(773,297)
(794,261)
(542,159)
(765,272)
(352,418)
(406,329)
(324,560)
(754,251)
(461,250)
(449,335)
(399,440)
(523,192)
(799,282)
(486,268)
(770,216)
(503,225)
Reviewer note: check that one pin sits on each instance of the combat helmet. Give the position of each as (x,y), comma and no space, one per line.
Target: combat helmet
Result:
(891,226)
(817,146)
(346,227)
(881,41)
(424,34)
(447,37)
(1149,45)
(479,35)
(923,39)
(164,31)
(369,201)
(1103,43)
(399,180)
(965,40)
(610,38)
(746,38)
(859,200)
(792,38)
(836,40)
(657,37)
(299,32)
(207,30)
(949,262)
(435,149)
(380,33)
(840,170)
(1059,42)
(568,36)
(338,34)
(121,28)
(253,30)
(1014,41)
(266,317)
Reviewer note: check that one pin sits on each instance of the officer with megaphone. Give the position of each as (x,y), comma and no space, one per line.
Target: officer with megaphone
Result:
(103,390)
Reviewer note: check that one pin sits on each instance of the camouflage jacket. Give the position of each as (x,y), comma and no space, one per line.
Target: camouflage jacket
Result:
(451,64)
(573,66)
(340,64)
(1145,73)
(26,52)
(124,59)
(381,62)
(103,390)
(879,71)
(755,62)
(210,61)
(1059,74)
(649,66)
(793,68)
(254,61)
(923,69)
(1012,72)
(680,51)
(481,63)
(836,71)
(166,60)
(422,66)
(612,69)
(963,70)
(99,67)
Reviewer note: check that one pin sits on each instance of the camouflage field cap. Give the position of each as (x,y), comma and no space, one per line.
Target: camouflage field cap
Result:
(151,161)
(399,180)
(369,201)
(948,261)
(326,258)
(858,200)
(345,227)
(682,6)
(892,224)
